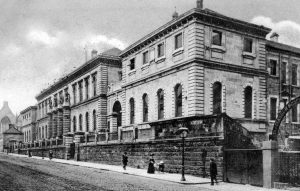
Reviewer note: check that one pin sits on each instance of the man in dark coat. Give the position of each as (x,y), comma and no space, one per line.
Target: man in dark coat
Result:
(124,160)
(213,171)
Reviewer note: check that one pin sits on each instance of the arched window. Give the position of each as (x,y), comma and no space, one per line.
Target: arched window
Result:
(25,137)
(87,121)
(217,98)
(131,103)
(74,124)
(160,101)
(248,102)
(145,108)
(178,100)
(94,120)
(117,109)
(29,136)
(80,122)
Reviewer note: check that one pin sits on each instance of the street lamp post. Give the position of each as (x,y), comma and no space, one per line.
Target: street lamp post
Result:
(183,133)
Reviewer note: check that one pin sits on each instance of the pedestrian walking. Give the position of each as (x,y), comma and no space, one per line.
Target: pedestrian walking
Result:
(124,160)
(213,171)
(50,154)
(29,152)
(151,168)
(161,166)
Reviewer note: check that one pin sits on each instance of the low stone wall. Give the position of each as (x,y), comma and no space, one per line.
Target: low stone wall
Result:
(169,151)
(58,152)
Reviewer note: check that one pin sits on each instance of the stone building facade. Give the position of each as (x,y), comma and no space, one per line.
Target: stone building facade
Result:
(283,86)
(200,63)
(77,102)
(28,118)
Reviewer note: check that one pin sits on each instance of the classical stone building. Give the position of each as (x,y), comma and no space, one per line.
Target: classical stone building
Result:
(28,117)
(283,86)
(6,118)
(78,101)
(213,74)
(200,63)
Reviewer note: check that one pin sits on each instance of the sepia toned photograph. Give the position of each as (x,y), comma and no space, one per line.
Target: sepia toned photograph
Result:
(149,95)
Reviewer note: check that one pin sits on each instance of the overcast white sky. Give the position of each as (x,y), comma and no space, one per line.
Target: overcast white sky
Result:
(42,40)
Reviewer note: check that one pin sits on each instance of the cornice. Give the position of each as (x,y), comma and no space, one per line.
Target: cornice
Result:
(277,47)
(205,63)
(28,108)
(114,61)
(205,16)
(85,102)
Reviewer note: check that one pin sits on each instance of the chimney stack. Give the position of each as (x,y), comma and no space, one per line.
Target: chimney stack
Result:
(274,37)
(94,53)
(175,15)
(199,4)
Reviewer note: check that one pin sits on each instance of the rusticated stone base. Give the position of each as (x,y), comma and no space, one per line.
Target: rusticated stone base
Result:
(167,151)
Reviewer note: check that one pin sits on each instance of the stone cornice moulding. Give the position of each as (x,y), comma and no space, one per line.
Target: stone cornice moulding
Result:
(206,17)
(206,63)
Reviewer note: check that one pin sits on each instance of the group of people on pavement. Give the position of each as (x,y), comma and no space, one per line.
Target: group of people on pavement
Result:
(151,167)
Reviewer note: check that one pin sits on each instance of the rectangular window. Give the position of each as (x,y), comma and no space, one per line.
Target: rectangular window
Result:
(273,114)
(151,54)
(94,81)
(217,38)
(283,72)
(160,50)
(86,88)
(294,74)
(295,113)
(80,91)
(132,64)
(120,75)
(145,57)
(248,45)
(178,41)
(273,67)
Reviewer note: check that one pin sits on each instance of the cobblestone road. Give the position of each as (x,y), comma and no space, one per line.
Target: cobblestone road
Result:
(30,174)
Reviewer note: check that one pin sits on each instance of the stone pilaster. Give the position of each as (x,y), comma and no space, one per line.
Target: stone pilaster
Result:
(50,124)
(66,120)
(102,102)
(68,141)
(59,123)
(54,125)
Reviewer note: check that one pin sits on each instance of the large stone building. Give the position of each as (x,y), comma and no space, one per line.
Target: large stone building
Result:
(28,118)
(6,118)
(200,63)
(78,102)
(213,74)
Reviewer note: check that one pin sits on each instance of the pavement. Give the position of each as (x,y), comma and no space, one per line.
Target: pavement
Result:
(176,178)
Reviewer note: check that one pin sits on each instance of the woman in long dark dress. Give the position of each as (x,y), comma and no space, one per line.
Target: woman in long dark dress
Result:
(151,168)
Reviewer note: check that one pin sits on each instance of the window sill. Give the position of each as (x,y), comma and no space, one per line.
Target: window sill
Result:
(273,76)
(145,66)
(160,59)
(178,51)
(218,48)
(249,55)
(132,72)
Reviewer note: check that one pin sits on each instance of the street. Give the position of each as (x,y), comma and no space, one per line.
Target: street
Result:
(27,174)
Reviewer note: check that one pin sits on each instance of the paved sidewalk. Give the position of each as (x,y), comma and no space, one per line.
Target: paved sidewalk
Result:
(197,181)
